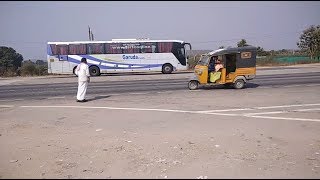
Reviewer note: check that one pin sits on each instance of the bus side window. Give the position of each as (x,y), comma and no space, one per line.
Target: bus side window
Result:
(62,49)
(131,48)
(165,47)
(76,49)
(113,48)
(95,48)
(147,48)
(54,49)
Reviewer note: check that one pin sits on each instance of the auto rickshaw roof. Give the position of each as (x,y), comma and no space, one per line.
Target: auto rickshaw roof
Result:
(232,50)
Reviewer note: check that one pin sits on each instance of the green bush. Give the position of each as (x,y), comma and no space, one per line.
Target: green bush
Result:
(193,60)
(277,60)
(31,69)
(268,61)
(7,71)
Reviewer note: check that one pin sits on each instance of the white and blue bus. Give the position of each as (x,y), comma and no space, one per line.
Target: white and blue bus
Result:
(118,55)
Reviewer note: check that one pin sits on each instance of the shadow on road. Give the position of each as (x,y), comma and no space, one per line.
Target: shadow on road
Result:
(143,73)
(248,86)
(97,98)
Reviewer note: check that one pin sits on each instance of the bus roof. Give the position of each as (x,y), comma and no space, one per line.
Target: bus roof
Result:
(115,41)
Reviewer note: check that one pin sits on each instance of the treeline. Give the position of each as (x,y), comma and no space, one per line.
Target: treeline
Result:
(12,64)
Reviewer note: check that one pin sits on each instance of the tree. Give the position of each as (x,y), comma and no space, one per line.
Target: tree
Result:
(242,43)
(40,62)
(9,58)
(310,41)
(262,52)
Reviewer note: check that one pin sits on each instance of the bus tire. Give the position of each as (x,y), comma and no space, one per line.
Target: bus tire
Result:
(167,69)
(74,70)
(94,71)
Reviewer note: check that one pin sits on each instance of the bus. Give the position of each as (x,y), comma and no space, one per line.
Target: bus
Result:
(118,55)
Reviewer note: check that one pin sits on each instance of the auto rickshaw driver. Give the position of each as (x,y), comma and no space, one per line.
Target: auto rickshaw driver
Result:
(214,76)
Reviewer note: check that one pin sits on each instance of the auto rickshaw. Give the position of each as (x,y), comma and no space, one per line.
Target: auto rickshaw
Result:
(238,66)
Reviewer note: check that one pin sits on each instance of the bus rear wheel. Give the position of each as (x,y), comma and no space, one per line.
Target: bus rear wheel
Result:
(167,68)
(94,71)
(74,70)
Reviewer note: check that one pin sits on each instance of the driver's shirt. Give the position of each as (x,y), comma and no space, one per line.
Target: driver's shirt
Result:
(218,67)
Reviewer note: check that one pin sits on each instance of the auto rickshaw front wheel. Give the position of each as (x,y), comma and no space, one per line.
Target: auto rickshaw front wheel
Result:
(193,85)
(239,84)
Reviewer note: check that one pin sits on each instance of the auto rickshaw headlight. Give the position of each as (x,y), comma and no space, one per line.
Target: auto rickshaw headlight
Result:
(198,71)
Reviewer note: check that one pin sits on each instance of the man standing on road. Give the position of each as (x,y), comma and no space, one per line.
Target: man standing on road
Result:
(82,72)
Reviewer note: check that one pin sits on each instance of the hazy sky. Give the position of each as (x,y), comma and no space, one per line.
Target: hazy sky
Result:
(28,26)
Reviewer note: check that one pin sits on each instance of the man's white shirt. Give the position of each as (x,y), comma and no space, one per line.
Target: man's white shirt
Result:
(83,72)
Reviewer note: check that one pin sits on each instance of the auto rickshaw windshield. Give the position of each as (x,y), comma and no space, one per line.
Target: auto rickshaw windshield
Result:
(204,60)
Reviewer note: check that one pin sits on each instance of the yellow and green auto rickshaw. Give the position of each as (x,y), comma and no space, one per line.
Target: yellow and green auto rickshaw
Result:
(237,66)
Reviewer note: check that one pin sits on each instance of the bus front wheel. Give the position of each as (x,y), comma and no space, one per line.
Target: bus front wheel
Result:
(167,68)
(94,71)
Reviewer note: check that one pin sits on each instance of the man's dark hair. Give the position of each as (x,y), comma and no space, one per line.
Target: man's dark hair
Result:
(84,60)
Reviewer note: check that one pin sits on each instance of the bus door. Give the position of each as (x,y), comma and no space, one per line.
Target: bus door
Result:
(64,64)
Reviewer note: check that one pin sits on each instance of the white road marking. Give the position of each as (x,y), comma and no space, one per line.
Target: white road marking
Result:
(58,97)
(197,112)
(284,118)
(138,93)
(11,99)
(293,86)
(114,108)
(212,112)
(7,106)
(274,112)
(309,85)
(224,110)
(257,108)
(294,105)
(314,109)
(113,95)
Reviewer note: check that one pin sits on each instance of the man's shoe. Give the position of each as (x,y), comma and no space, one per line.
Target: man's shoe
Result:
(78,100)
(84,100)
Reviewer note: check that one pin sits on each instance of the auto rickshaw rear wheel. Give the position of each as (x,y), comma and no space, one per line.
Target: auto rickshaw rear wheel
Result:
(239,84)
(193,85)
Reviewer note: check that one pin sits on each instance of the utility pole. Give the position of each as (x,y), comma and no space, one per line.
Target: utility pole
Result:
(89,33)
(91,38)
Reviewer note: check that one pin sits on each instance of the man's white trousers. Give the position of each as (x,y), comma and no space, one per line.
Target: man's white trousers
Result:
(82,90)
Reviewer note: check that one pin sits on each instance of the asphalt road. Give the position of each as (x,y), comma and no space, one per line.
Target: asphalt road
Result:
(106,87)
(153,126)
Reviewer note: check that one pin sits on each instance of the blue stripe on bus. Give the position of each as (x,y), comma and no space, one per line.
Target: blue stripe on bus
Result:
(91,58)
(108,67)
